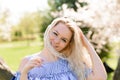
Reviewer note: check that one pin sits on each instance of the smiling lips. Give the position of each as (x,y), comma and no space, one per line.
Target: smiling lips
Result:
(54,46)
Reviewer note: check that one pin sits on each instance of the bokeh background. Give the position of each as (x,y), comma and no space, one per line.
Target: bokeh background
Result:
(23,22)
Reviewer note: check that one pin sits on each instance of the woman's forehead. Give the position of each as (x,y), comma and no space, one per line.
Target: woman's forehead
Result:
(63,29)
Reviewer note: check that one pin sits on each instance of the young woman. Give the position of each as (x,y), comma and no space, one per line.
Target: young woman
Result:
(67,55)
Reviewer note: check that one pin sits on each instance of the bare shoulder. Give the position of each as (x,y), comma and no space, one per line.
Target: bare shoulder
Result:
(23,62)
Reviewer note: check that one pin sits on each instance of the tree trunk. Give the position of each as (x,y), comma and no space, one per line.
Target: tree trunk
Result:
(117,72)
(5,72)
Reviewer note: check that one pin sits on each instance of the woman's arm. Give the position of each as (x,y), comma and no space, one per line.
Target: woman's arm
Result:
(26,65)
(98,70)
(23,73)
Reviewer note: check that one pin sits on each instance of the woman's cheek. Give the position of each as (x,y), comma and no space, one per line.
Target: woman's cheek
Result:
(63,46)
(51,37)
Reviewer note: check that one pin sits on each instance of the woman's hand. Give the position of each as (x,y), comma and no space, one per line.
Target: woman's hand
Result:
(33,62)
(27,64)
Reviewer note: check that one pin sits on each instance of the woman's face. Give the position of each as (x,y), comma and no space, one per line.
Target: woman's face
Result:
(60,36)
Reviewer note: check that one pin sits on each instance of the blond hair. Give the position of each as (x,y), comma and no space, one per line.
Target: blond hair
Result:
(74,50)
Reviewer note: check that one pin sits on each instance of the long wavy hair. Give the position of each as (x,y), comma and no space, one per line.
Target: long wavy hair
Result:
(74,50)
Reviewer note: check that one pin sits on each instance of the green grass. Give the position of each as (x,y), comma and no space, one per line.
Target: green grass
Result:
(13,52)
(113,60)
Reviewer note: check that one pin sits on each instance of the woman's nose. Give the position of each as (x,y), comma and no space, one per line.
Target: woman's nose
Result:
(57,40)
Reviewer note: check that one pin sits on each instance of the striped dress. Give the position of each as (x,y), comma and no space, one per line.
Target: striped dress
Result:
(57,70)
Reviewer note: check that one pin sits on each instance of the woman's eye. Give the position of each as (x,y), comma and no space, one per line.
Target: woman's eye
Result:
(55,33)
(64,40)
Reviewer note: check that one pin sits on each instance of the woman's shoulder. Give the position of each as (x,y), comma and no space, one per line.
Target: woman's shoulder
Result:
(25,60)
(28,57)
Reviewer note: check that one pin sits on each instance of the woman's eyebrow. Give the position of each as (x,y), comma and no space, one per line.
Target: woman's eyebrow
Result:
(62,37)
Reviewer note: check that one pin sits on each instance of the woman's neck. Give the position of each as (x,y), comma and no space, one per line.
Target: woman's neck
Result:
(48,56)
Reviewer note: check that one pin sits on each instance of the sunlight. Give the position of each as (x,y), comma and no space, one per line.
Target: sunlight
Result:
(18,7)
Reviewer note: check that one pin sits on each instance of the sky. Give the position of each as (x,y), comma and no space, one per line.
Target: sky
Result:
(18,7)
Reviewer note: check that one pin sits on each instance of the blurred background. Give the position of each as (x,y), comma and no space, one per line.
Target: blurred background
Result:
(23,22)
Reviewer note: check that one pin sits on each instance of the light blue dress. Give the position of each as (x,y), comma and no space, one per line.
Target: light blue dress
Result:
(57,70)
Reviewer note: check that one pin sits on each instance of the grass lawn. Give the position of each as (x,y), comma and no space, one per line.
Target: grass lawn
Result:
(113,61)
(13,52)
